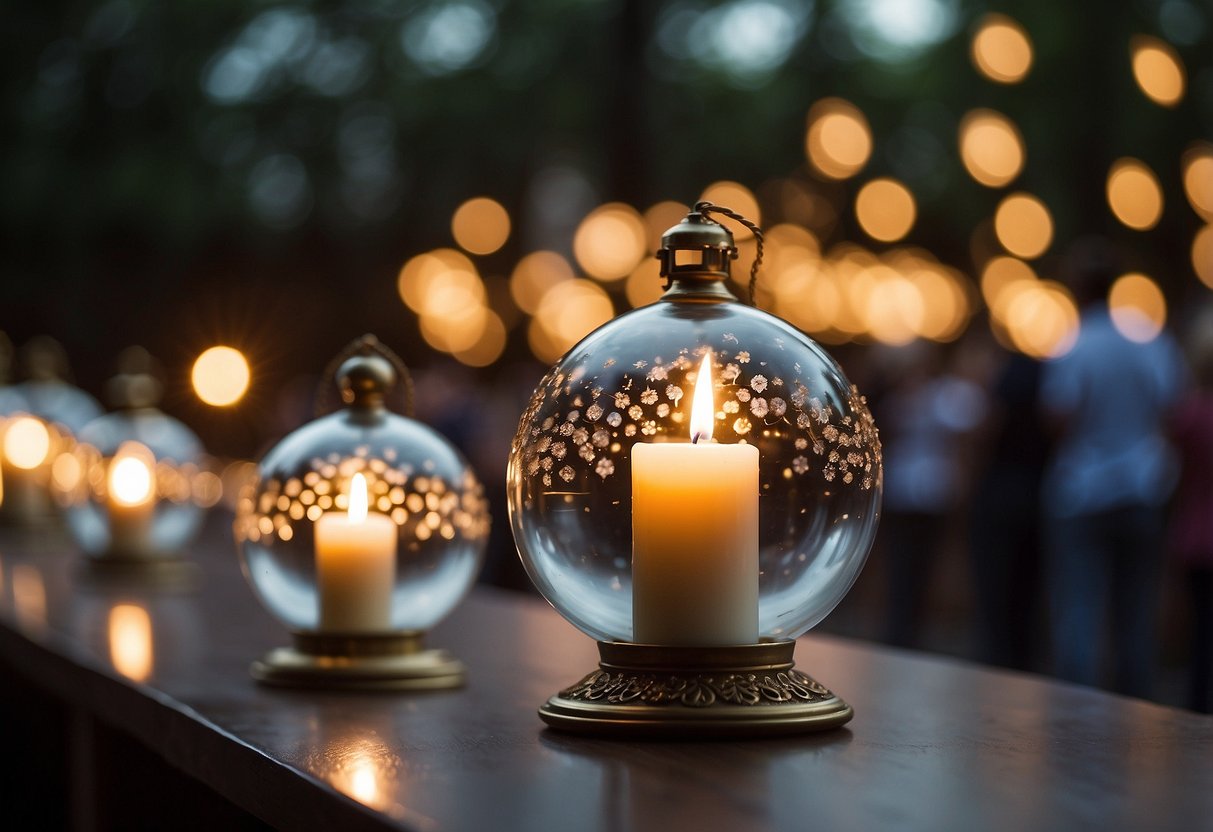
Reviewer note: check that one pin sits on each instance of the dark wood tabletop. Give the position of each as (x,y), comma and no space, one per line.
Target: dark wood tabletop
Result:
(935,744)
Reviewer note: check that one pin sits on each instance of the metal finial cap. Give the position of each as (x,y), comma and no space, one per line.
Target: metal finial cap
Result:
(365,380)
(698,248)
(696,231)
(136,384)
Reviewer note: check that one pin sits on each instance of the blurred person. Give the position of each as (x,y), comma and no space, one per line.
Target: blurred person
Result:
(1108,478)
(1005,519)
(1192,517)
(925,415)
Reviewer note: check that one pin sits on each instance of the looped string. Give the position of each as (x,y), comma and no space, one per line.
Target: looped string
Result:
(365,345)
(707,208)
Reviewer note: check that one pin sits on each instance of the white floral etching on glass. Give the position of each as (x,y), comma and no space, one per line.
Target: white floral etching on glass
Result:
(593,427)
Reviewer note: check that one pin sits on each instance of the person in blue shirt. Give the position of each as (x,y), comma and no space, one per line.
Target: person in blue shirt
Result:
(1105,485)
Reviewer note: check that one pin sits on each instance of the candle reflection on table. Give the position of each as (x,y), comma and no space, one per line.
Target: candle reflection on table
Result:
(365,769)
(130,641)
(29,597)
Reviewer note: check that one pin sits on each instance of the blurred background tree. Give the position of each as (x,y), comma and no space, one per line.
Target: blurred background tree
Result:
(253,173)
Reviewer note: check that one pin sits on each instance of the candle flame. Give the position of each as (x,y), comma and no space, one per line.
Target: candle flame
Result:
(703,406)
(357,512)
(130,475)
(27,442)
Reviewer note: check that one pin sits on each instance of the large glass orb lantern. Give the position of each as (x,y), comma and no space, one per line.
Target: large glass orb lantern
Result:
(695,484)
(129,486)
(365,529)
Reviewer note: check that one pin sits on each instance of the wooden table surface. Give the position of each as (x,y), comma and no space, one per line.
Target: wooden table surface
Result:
(935,744)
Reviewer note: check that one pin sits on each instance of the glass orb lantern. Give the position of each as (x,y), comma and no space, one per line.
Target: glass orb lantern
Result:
(39,419)
(364,529)
(694,485)
(127,487)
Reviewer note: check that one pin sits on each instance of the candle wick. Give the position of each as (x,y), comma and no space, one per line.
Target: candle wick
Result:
(695,437)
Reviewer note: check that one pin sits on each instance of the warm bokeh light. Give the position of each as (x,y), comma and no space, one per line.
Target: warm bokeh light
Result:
(1198,178)
(1158,70)
(1023,225)
(808,296)
(488,346)
(130,641)
(27,442)
(1137,307)
(221,376)
(839,140)
(206,489)
(1040,318)
(567,313)
(439,280)
(1202,255)
(659,219)
(991,147)
(456,328)
(645,283)
(946,303)
(129,481)
(1000,49)
(885,209)
(481,225)
(894,310)
(1134,194)
(1000,273)
(610,241)
(66,472)
(736,197)
(534,275)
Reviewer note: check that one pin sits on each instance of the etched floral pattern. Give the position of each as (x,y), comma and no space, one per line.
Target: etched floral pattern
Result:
(698,691)
(650,400)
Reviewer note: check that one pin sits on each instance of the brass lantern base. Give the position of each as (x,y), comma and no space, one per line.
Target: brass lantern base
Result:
(395,662)
(650,691)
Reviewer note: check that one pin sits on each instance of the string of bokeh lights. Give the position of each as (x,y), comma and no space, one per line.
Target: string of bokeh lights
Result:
(846,292)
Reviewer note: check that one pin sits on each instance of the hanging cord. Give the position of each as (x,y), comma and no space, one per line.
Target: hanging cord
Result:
(707,208)
(366,345)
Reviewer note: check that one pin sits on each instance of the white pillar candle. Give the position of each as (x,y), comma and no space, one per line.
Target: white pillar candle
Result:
(695,536)
(355,566)
(131,500)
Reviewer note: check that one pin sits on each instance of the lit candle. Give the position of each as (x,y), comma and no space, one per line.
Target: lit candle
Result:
(131,500)
(355,566)
(695,536)
(27,447)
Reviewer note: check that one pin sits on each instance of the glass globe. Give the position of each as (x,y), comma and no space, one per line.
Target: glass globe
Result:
(128,487)
(133,487)
(319,562)
(38,422)
(570,476)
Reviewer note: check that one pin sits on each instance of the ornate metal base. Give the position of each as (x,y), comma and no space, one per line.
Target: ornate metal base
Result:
(356,662)
(706,693)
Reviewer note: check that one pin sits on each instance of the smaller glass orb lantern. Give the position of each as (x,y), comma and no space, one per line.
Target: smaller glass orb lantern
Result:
(695,484)
(128,486)
(39,419)
(364,529)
